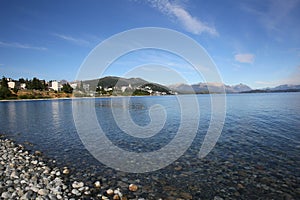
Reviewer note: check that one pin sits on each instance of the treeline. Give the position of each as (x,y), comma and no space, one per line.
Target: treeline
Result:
(34,84)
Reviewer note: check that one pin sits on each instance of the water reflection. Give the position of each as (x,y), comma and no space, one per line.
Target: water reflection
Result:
(55,113)
(11,114)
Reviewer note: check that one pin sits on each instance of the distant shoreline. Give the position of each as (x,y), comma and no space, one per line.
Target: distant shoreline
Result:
(104,97)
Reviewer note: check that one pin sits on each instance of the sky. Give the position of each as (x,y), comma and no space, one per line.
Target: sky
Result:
(250,41)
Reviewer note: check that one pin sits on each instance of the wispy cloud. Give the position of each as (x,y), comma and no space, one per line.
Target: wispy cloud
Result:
(73,40)
(244,58)
(21,46)
(190,23)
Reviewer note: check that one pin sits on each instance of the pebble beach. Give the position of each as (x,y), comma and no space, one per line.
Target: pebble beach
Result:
(25,175)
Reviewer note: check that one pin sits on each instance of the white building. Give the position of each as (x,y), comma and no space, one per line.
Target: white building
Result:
(11,84)
(73,85)
(123,88)
(23,86)
(54,85)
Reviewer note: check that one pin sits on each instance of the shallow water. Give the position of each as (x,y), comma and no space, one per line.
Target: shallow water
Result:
(257,155)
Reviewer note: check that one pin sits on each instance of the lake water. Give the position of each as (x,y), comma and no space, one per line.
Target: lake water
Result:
(256,157)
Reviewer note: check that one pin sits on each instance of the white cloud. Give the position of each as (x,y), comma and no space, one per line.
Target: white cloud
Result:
(244,58)
(73,40)
(20,46)
(190,23)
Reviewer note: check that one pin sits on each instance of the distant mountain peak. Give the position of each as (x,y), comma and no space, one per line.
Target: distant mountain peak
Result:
(211,87)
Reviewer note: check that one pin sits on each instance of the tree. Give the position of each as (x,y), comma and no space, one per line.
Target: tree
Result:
(22,80)
(4,91)
(139,92)
(35,84)
(66,88)
(4,82)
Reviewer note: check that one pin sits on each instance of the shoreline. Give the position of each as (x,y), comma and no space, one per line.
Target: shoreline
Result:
(120,96)
(28,175)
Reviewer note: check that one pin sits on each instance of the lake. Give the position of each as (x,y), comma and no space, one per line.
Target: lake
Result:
(256,157)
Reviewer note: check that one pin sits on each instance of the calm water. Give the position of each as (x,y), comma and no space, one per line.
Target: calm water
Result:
(257,155)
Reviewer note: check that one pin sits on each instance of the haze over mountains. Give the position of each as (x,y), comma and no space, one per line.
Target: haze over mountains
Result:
(208,87)
(286,87)
(182,88)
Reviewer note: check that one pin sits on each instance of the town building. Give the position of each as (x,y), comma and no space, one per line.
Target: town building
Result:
(11,84)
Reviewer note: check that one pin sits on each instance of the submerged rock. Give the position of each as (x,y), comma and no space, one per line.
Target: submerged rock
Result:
(109,192)
(66,171)
(133,187)
(97,184)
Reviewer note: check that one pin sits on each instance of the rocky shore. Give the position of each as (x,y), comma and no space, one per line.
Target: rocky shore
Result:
(25,175)
(29,174)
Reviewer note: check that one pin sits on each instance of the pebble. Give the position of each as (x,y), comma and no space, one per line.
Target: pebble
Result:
(27,176)
(76,192)
(5,195)
(218,198)
(97,184)
(109,192)
(240,186)
(66,171)
(133,187)
(186,195)
(77,185)
(43,192)
(37,153)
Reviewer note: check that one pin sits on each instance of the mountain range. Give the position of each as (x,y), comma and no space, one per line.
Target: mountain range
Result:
(202,88)
(182,88)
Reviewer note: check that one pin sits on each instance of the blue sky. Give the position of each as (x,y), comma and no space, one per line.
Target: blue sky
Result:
(251,42)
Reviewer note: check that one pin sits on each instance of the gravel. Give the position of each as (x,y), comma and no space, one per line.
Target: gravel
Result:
(24,175)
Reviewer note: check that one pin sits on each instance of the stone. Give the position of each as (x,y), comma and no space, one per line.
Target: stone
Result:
(97,184)
(43,192)
(186,195)
(76,192)
(133,187)
(77,185)
(14,174)
(35,189)
(87,192)
(218,198)
(66,171)
(5,195)
(27,195)
(116,197)
(240,186)
(38,153)
(52,197)
(109,192)
(118,192)
(34,162)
